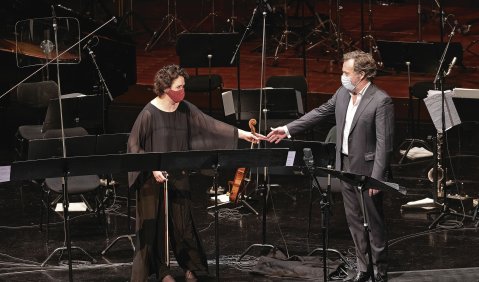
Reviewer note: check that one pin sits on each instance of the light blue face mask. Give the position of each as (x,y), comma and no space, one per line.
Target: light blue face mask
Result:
(346,82)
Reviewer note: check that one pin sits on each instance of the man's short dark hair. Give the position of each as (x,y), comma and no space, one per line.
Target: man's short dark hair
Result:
(363,62)
(165,77)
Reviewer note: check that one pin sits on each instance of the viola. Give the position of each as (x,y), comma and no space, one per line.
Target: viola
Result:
(238,183)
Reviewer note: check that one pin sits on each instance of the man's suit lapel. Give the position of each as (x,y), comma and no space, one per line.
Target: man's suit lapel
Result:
(365,100)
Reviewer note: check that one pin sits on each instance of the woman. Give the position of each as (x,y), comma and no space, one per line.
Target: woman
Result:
(167,124)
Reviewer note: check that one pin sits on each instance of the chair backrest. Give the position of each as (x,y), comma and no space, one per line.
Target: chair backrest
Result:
(193,49)
(115,143)
(296,82)
(77,143)
(37,94)
(331,137)
(78,110)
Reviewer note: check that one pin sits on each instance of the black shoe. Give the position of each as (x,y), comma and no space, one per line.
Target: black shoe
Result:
(359,277)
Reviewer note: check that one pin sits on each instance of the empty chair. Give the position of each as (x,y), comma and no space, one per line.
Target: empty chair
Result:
(35,96)
(77,143)
(206,50)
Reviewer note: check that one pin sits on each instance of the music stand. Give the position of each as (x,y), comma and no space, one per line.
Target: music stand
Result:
(194,49)
(282,103)
(149,162)
(324,155)
(77,109)
(246,158)
(363,183)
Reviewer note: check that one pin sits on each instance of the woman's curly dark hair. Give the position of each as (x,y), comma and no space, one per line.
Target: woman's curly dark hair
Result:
(165,77)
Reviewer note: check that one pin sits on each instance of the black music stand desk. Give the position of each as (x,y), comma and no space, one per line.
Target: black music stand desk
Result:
(105,164)
(363,183)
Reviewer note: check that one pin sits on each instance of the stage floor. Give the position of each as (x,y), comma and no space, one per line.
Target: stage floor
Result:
(415,253)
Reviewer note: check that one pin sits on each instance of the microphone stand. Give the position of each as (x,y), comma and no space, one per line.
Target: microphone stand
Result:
(439,159)
(247,30)
(65,177)
(104,87)
(66,215)
(263,4)
(325,213)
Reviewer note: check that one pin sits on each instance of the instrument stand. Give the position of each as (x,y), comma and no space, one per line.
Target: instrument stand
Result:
(241,200)
(129,236)
(231,20)
(121,237)
(371,41)
(283,42)
(333,42)
(264,193)
(169,21)
(439,156)
(127,19)
(245,204)
(211,15)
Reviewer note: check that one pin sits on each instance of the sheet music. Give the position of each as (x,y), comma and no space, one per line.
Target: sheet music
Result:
(290,158)
(5,173)
(433,103)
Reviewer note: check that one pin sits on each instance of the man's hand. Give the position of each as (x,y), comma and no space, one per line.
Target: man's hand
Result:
(159,176)
(276,135)
(373,192)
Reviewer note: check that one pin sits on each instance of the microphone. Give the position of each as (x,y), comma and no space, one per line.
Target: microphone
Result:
(453,62)
(308,157)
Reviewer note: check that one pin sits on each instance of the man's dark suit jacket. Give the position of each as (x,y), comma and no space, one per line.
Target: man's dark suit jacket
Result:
(370,140)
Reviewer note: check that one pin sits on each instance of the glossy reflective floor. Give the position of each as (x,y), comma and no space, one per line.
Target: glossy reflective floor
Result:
(445,253)
(448,252)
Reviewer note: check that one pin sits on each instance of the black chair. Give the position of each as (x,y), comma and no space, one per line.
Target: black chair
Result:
(35,96)
(206,50)
(42,99)
(205,84)
(77,143)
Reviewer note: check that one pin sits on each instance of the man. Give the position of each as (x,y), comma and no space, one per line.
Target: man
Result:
(364,128)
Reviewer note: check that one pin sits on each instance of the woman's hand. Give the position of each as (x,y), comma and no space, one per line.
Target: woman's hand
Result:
(277,134)
(159,176)
(250,137)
